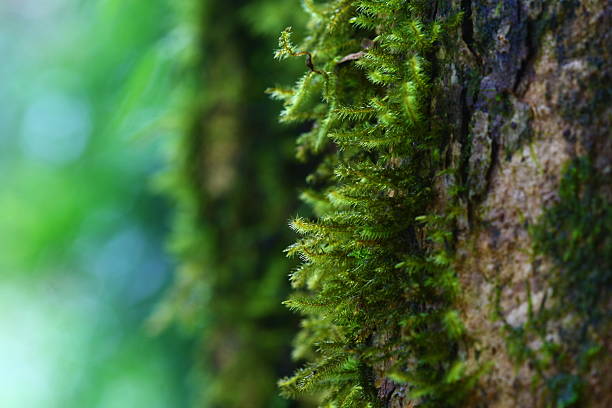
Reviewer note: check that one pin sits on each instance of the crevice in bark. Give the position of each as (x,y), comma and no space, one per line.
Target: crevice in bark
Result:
(435,10)
(466,115)
(531,52)
(494,161)
(467,29)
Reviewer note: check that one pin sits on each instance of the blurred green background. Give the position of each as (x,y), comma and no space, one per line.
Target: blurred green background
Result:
(131,130)
(85,93)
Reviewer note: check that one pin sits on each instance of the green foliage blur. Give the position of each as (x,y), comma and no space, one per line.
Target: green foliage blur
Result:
(234,180)
(86,90)
(130,130)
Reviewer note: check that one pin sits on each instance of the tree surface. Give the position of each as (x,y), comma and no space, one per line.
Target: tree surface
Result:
(527,94)
(462,251)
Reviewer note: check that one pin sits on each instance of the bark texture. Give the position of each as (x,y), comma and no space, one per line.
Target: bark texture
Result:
(525,87)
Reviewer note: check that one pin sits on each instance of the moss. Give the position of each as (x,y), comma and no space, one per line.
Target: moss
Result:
(376,287)
(562,334)
(498,9)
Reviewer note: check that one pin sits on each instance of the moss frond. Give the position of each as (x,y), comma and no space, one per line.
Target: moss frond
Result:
(369,284)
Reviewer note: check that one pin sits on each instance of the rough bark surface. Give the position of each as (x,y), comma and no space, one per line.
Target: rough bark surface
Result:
(525,87)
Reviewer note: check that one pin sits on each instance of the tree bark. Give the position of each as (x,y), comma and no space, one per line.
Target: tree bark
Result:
(525,87)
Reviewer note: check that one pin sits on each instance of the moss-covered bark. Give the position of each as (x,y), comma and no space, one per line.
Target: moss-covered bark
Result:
(524,89)
(519,101)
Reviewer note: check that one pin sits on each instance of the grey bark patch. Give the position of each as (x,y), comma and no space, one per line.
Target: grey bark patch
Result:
(481,154)
(500,31)
(516,131)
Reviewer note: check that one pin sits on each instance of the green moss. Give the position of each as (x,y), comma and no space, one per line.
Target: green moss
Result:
(576,234)
(498,9)
(376,288)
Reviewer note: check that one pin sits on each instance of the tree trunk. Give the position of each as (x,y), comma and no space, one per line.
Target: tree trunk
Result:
(525,87)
